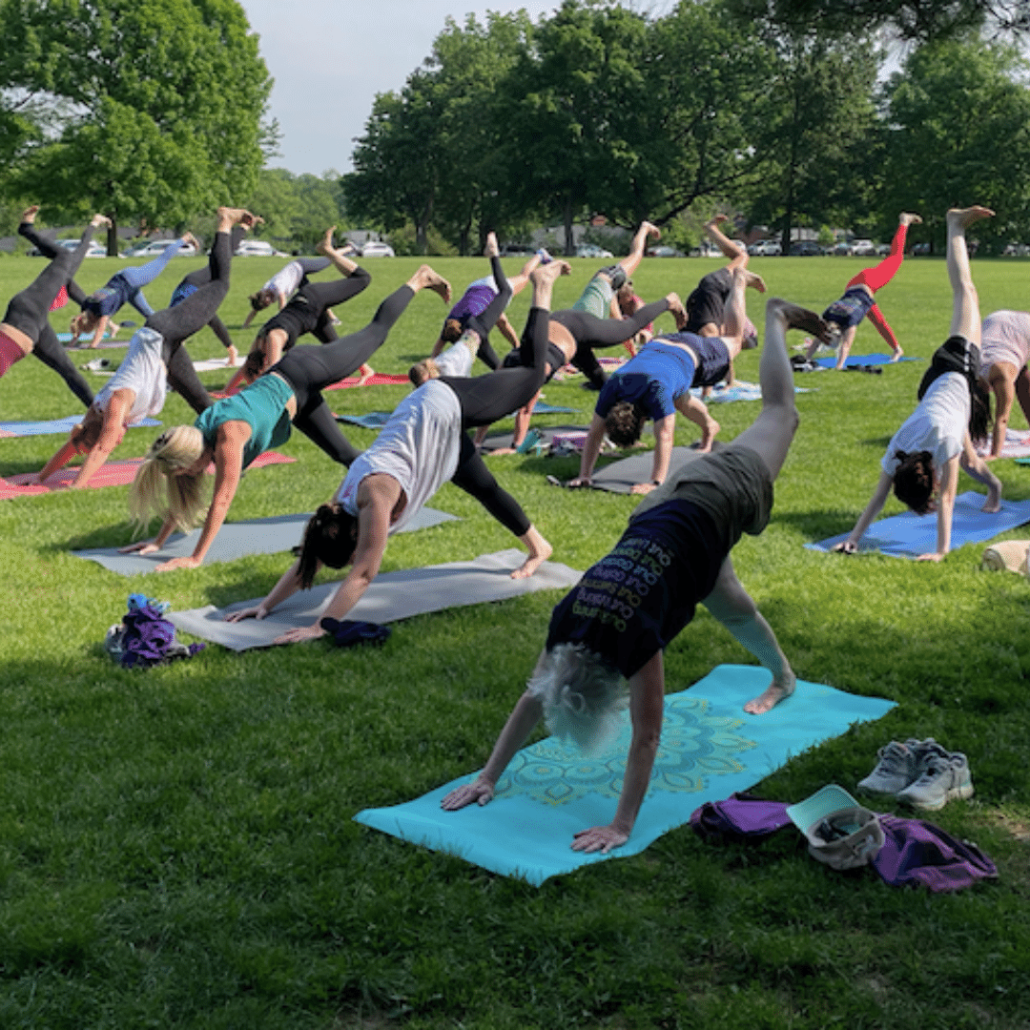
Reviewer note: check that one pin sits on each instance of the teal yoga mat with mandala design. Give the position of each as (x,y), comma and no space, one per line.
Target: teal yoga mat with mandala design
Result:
(710,748)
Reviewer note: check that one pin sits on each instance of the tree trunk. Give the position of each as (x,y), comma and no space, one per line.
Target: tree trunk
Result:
(570,242)
(112,237)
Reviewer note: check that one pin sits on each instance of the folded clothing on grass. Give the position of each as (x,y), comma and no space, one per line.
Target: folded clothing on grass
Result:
(710,748)
(392,596)
(909,535)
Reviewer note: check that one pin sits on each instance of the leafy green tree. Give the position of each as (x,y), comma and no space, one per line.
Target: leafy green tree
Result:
(959,132)
(168,98)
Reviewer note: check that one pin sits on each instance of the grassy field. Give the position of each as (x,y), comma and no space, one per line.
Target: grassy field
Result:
(177,846)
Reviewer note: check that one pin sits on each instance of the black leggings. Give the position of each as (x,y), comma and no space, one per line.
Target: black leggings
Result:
(310,369)
(29,312)
(178,323)
(50,250)
(484,322)
(478,481)
(485,399)
(328,294)
(589,332)
(201,277)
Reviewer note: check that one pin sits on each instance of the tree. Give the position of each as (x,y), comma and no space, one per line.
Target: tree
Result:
(959,130)
(911,20)
(168,97)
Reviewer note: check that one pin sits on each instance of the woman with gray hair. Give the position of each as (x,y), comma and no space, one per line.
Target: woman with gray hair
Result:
(611,629)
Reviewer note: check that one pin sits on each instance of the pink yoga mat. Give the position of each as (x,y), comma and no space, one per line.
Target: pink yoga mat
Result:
(375,380)
(114,473)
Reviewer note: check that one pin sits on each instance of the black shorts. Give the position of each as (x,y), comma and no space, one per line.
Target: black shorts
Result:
(707,304)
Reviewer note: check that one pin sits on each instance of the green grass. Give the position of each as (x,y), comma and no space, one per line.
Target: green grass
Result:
(177,846)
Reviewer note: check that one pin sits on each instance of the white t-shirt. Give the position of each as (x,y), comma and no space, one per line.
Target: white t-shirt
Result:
(286,280)
(142,371)
(938,425)
(1005,337)
(418,447)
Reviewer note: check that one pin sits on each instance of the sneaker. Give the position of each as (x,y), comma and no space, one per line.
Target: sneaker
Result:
(545,258)
(898,766)
(943,780)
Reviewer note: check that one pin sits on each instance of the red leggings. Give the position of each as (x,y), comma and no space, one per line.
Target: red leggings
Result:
(878,277)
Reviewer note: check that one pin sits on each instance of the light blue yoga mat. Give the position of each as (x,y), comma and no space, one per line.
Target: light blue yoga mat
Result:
(909,535)
(739,391)
(710,748)
(853,360)
(54,426)
(378,419)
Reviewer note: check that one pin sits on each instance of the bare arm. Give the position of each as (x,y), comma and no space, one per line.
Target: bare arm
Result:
(945,509)
(507,330)
(110,436)
(697,412)
(978,469)
(150,546)
(98,333)
(646,708)
(288,585)
(591,450)
(1004,389)
(865,520)
(664,436)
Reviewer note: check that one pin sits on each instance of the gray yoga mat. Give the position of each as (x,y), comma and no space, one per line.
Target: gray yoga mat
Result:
(547,433)
(392,596)
(234,540)
(620,476)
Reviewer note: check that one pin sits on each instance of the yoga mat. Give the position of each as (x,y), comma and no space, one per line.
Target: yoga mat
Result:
(373,420)
(234,540)
(739,391)
(54,426)
(1016,445)
(909,535)
(392,596)
(547,434)
(375,380)
(212,365)
(853,360)
(620,476)
(710,748)
(113,473)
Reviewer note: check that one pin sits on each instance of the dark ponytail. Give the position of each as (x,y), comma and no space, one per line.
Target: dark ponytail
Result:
(913,480)
(329,539)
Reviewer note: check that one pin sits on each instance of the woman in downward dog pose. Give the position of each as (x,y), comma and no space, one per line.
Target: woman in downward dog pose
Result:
(422,446)
(1004,354)
(235,430)
(678,541)
(26,326)
(155,360)
(858,300)
(923,458)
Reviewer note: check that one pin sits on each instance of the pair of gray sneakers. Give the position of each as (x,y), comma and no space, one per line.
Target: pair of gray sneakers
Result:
(920,773)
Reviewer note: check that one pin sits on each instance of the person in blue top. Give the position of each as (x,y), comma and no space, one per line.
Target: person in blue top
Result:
(236,429)
(607,637)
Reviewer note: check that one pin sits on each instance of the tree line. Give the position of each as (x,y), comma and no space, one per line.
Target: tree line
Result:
(743,105)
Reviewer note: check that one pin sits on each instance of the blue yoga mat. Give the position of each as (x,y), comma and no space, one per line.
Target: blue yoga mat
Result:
(853,360)
(54,426)
(710,747)
(909,535)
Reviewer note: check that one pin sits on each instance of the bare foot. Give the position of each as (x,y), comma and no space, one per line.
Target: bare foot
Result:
(29,214)
(719,219)
(708,435)
(325,244)
(907,218)
(755,282)
(539,551)
(772,695)
(651,229)
(491,250)
(678,311)
(98,220)
(964,216)
(230,216)
(232,356)
(897,355)
(549,272)
(366,372)
(191,240)
(427,279)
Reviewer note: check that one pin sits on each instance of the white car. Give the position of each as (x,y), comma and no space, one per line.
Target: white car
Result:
(765,248)
(94,250)
(155,247)
(589,250)
(257,248)
(863,248)
(376,248)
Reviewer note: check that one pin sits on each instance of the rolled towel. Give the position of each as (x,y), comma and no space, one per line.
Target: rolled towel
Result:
(1009,554)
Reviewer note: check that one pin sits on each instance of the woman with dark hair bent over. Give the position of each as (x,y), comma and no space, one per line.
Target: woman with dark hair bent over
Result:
(673,554)
(924,456)
(422,446)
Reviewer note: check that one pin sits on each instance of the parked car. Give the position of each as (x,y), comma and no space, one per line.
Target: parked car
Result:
(376,248)
(154,247)
(805,248)
(921,248)
(517,250)
(258,248)
(589,250)
(765,248)
(863,248)
(1015,250)
(663,252)
(94,250)
(842,249)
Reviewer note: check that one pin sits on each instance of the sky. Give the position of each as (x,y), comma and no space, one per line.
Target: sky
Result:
(329,59)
